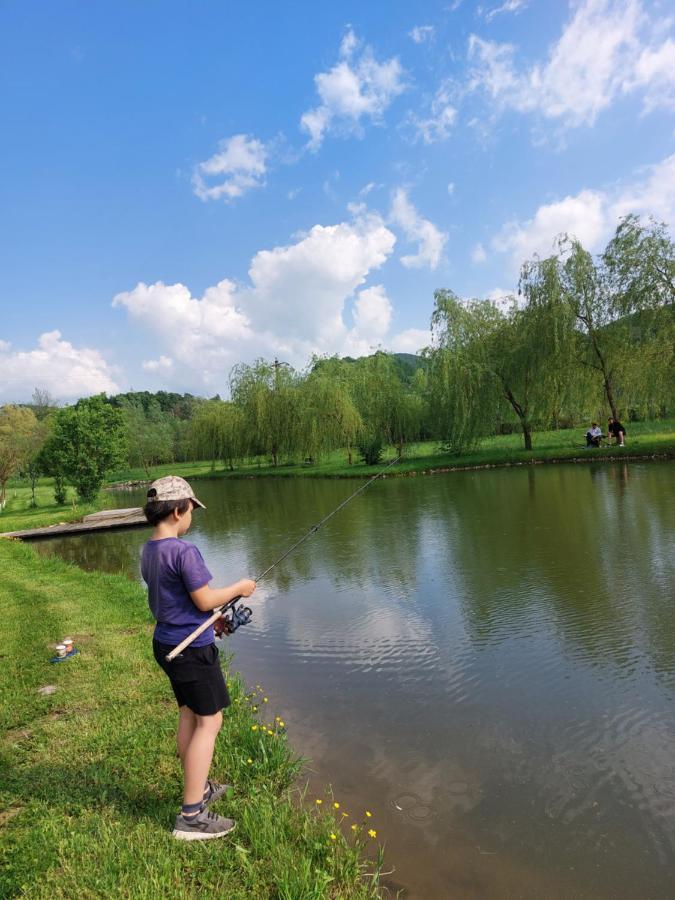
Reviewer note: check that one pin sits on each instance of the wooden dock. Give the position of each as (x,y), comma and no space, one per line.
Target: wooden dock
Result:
(105,520)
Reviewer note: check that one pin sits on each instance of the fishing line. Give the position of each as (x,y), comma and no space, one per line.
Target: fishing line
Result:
(241,615)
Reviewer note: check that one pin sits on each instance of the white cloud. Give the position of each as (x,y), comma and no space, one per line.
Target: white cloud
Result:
(655,72)
(238,166)
(510,6)
(451,188)
(293,306)
(422,33)
(416,229)
(164,365)
(591,215)
(478,254)
(412,340)
(583,215)
(65,371)
(356,88)
(607,49)
(438,124)
(372,313)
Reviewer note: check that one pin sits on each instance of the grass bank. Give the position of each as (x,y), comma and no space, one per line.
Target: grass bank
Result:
(89,780)
(645,440)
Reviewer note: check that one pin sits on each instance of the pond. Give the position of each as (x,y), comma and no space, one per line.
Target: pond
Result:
(486,660)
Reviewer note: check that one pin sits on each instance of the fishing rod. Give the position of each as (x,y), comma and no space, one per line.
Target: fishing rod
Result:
(241,615)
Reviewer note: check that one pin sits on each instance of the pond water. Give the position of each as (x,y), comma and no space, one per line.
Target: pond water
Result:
(486,660)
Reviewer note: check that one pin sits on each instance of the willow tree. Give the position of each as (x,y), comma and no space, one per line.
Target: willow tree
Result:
(485,360)
(330,417)
(218,432)
(269,399)
(621,303)
(18,426)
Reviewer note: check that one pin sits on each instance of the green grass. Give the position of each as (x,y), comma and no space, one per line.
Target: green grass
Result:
(644,439)
(89,779)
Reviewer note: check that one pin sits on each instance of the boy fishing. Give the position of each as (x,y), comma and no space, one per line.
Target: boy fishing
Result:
(180,599)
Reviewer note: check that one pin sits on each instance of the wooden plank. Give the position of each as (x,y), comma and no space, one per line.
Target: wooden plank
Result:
(105,520)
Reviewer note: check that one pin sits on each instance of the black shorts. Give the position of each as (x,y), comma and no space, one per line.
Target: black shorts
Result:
(196,677)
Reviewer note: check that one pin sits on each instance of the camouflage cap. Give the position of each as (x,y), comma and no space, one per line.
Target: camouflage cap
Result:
(172,487)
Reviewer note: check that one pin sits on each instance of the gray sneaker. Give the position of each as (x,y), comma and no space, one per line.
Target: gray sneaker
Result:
(202,827)
(215,791)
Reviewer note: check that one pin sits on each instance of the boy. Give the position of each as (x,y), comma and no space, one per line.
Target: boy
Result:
(180,599)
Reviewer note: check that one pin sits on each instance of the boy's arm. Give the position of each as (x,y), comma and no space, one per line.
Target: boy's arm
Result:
(207,598)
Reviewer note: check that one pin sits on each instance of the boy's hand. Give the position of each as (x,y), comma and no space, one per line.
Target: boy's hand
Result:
(246,587)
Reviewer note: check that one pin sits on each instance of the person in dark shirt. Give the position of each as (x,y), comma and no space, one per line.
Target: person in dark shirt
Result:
(616,429)
(180,600)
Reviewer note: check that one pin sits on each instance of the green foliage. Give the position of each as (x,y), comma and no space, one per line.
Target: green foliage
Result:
(149,433)
(86,442)
(370,449)
(18,427)
(269,398)
(217,432)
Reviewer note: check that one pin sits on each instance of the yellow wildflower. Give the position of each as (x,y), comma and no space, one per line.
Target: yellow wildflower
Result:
(369,814)
(345,815)
(254,727)
(336,805)
(265,700)
(282,724)
(372,832)
(318,802)
(355,827)
(269,731)
(249,761)
(333,837)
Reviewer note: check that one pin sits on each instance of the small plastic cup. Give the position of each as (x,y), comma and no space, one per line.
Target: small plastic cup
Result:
(61,650)
(68,644)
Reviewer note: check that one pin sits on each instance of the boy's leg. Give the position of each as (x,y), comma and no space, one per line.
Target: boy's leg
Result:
(187,722)
(198,755)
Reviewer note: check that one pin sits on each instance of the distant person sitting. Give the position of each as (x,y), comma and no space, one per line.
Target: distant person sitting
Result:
(617,431)
(593,435)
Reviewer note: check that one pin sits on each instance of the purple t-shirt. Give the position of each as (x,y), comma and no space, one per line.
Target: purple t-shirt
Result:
(172,568)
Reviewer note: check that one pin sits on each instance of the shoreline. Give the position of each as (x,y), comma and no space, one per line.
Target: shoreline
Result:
(420,469)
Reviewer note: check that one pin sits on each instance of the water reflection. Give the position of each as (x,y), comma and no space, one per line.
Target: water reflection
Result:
(487,658)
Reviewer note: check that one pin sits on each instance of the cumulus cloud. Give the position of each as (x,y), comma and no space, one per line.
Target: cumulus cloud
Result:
(422,33)
(607,49)
(238,166)
(67,372)
(164,365)
(429,238)
(437,125)
(372,313)
(357,88)
(412,340)
(591,215)
(478,254)
(293,305)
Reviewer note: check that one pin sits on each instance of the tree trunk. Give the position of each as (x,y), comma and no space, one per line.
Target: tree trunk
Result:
(521,412)
(349,455)
(610,394)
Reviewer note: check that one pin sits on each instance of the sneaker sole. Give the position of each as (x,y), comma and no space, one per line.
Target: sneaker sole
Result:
(200,835)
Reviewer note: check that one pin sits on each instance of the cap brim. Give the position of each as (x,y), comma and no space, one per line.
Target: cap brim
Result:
(197,502)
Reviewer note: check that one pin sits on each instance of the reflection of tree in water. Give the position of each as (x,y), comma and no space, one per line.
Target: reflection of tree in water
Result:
(373,537)
(559,545)
(117,552)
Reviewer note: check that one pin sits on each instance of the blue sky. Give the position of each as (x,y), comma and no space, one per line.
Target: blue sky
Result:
(189,185)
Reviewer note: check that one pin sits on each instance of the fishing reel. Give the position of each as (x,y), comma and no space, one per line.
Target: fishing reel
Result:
(232,619)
